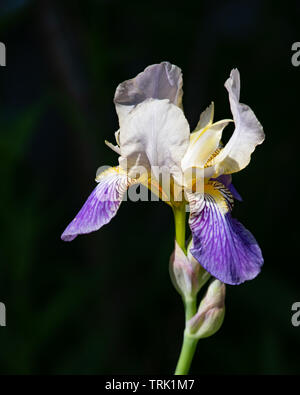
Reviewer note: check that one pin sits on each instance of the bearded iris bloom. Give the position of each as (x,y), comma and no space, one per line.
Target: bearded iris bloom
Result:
(154,136)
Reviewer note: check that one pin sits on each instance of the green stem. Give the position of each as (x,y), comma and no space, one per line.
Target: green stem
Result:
(189,344)
(186,355)
(190,308)
(179,218)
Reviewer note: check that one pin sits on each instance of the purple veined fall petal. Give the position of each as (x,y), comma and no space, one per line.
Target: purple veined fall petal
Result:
(221,244)
(101,206)
(226,179)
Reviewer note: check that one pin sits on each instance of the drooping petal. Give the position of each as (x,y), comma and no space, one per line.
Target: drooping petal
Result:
(101,206)
(226,180)
(222,245)
(247,135)
(155,135)
(158,81)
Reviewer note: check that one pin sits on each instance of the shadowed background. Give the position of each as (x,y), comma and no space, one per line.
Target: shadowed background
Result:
(104,303)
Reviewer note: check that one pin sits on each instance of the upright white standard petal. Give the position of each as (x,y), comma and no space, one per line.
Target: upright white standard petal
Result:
(247,135)
(154,134)
(206,118)
(158,81)
(203,144)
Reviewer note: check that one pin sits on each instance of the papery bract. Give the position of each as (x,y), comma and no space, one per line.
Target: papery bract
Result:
(187,275)
(210,315)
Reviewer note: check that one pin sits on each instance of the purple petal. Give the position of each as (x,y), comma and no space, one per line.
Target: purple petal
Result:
(226,179)
(100,207)
(158,81)
(222,245)
(235,193)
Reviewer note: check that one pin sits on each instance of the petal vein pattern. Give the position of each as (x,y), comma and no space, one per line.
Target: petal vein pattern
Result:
(222,245)
(101,206)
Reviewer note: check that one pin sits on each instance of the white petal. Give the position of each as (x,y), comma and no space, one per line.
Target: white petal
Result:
(202,147)
(205,121)
(158,81)
(206,117)
(117,137)
(247,135)
(115,148)
(155,133)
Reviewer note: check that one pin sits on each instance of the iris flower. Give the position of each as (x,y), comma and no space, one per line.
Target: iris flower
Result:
(154,139)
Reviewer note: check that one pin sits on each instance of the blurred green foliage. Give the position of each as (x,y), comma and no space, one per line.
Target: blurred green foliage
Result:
(104,303)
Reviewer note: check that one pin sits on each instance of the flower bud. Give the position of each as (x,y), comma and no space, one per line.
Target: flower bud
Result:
(209,318)
(186,274)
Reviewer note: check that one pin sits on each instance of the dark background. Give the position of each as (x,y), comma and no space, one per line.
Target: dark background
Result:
(104,303)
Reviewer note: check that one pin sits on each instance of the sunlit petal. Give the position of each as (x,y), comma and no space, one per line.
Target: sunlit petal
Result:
(155,134)
(222,245)
(203,145)
(247,135)
(158,81)
(101,206)
(206,119)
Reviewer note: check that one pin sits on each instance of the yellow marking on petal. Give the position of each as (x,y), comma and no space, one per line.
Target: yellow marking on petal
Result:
(154,186)
(151,183)
(202,126)
(220,194)
(206,117)
(204,146)
(110,170)
(117,137)
(194,137)
(209,161)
